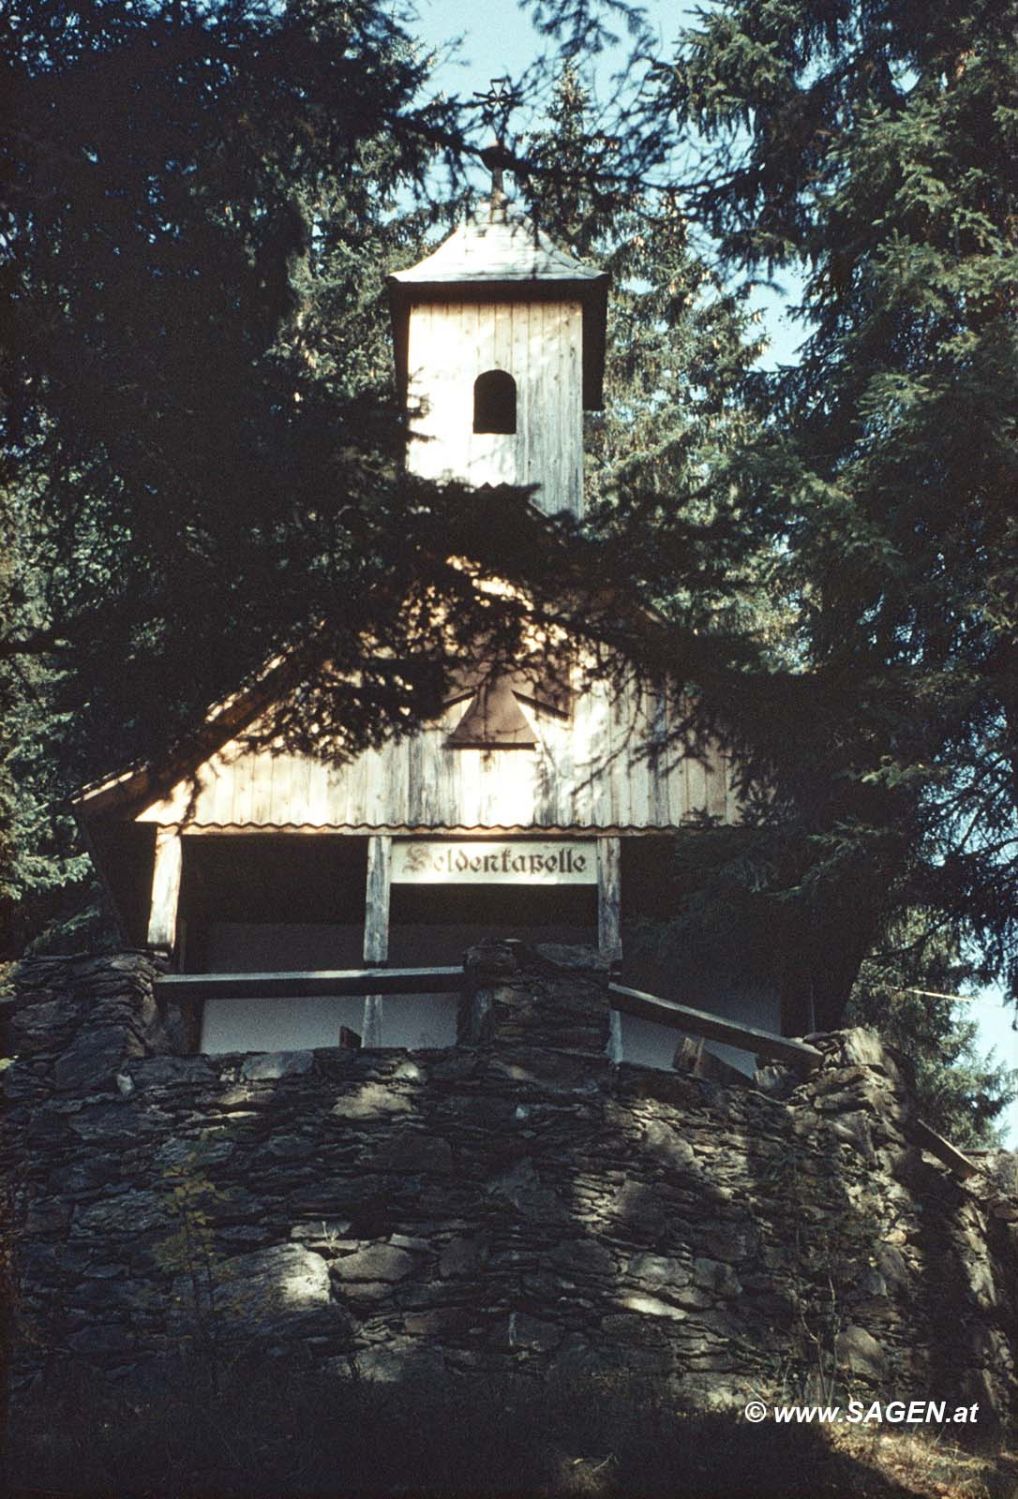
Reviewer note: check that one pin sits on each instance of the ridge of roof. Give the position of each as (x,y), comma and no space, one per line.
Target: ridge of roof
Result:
(499,245)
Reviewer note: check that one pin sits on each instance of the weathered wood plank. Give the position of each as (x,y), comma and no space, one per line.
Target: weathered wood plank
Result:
(926,1137)
(697,785)
(281,797)
(376,903)
(308,984)
(241,772)
(301,789)
(717,777)
(609,898)
(376,928)
(165,901)
(261,787)
(584,773)
(699,1023)
(371,1031)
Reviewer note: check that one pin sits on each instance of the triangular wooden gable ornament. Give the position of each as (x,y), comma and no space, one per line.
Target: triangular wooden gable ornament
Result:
(494,720)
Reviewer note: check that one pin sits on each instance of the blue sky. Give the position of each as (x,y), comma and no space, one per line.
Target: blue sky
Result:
(499,39)
(494,41)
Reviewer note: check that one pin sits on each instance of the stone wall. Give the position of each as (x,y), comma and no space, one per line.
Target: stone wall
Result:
(516,1200)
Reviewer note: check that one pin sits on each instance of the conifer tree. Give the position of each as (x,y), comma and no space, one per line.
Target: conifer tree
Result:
(199,423)
(870,148)
(912,988)
(698,497)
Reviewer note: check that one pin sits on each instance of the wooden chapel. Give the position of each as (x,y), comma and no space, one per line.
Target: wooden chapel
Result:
(518,811)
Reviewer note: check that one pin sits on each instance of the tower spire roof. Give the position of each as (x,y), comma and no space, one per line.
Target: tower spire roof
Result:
(495,248)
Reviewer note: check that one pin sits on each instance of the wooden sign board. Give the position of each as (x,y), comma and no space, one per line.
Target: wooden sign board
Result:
(426,861)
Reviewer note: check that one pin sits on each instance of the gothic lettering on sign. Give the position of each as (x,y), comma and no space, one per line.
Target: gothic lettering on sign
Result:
(507,862)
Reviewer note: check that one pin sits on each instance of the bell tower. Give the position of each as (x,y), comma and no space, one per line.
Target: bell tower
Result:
(500,339)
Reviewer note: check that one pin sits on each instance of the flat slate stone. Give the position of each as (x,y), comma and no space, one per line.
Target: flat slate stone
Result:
(92,1061)
(274,1064)
(156,1072)
(376,1262)
(267,1284)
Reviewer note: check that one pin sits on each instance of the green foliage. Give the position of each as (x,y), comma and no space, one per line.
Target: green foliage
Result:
(200,428)
(861,146)
(904,991)
(42,869)
(199,404)
(660,488)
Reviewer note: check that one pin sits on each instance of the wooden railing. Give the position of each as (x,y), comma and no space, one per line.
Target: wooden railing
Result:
(354,981)
(714,1027)
(927,1138)
(309,983)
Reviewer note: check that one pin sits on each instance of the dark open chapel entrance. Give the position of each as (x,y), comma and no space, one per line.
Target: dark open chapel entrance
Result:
(253,903)
(434,924)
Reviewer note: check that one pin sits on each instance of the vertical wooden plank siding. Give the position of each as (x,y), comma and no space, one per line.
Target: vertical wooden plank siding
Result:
(281,790)
(263,799)
(609,898)
(716,789)
(301,782)
(520,324)
(539,344)
(244,770)
(697,784)
(222,788)
(166,872)
(596,769)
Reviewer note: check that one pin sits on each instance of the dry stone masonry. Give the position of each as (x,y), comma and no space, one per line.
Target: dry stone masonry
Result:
(517,1200)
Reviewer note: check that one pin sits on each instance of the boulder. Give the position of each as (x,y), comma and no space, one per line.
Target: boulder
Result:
(860,1353)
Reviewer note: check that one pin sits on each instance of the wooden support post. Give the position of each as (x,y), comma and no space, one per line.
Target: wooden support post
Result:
(376,927)
(166,871)
(609,898)
(376,905)
(371,1031)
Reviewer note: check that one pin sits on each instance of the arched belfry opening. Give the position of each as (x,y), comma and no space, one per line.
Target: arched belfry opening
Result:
(500,340)
(495,402)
